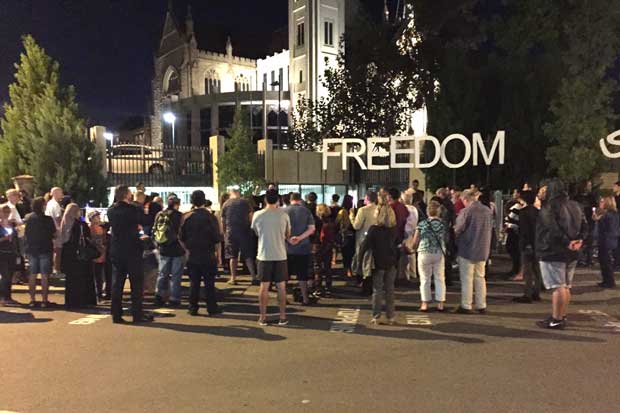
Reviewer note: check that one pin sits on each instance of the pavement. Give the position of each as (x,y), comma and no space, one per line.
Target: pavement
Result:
(329,359)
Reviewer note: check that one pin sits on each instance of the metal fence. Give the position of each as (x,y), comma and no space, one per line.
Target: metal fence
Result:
(160,166)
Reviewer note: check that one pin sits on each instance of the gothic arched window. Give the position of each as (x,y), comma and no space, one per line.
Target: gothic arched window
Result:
(172,83)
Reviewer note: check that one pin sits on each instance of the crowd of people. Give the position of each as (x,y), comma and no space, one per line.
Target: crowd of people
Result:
(388,237)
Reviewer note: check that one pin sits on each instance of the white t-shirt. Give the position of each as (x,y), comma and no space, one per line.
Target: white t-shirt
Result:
(54,210)
(412,221)
(14,215)
(272,225)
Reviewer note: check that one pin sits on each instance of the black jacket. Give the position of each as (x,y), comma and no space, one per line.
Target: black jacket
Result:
(125,220)
(527,228)
(608,227)
(382,242)
(560,221)
(200,232)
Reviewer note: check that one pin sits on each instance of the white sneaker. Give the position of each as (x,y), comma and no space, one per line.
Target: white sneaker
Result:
(374,321)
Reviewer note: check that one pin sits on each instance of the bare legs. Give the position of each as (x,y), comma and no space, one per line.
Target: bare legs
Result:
(32,284)
(560,300)
(263,299)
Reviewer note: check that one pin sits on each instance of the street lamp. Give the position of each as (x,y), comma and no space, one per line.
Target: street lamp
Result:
(170,119)
(108,137)
(279,85)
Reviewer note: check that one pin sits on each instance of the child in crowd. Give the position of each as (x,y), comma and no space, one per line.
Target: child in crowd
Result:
(98,238)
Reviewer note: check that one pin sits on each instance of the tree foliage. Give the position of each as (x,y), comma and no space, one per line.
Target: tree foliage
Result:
(238,165)
(43,134)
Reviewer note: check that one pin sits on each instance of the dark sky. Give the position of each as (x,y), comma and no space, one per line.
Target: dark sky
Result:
(105,47)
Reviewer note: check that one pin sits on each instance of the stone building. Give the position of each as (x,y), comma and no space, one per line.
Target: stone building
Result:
(203,88)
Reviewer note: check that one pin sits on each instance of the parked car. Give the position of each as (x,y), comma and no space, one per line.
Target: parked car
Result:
(137,159)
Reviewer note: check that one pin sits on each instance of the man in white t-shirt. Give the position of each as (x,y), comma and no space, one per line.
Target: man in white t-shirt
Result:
(54,210)
(408,264)
(12,196)
(273,227)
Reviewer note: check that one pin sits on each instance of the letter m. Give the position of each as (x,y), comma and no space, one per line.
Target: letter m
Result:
(499,142)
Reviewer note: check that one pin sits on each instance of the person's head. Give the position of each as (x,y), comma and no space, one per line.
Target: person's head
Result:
(140,187)
(434,209)
(234,193)
(174,202)
(542,192)
(442,193)
(12,195)
(38,205)
(198,199)
(72,213)
(223,198)
(286,199)
(5,212)
(617,188)
(393,194)
(121,194)
(384,215)
(271,185)
(335,198)
(608,203)
(295,198)
(23,194)
(528,197)
(526,187)
(57,194)
(468,197)
(455,192)
(158,200)
(588,186)
(371,197)
(415,184)
(323,211)
(312,197)
(94,217)
(347,202)
(271,197)
(516,193)
(208,204)
(416,199)
(407,197)
(140,198)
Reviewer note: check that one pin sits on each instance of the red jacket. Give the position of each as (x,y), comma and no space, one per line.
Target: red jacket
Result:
(402,213)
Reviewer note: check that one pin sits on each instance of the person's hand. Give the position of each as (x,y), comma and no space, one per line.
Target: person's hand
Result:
(144,237)
(294,240)
(575,245)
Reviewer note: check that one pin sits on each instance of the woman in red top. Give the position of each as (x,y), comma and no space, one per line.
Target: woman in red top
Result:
(326,247)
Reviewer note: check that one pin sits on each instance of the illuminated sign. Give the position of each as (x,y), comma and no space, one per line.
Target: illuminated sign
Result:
(612,139)
(412,145)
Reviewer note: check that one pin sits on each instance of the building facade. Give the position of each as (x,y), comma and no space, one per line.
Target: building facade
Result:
(203,89)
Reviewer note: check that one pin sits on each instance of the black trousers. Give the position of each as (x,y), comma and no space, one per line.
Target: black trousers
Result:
(99,274)
(6,279)
(198,273)
(531,275)
(606,261)
(512,247)
(121,268)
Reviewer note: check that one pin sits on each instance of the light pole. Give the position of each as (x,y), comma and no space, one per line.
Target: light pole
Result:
(109,137)
(279,85)
(170,118)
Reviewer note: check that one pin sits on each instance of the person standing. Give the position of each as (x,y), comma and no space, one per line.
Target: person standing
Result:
(54,210)
(473,229)
(381,241)
(167,225)
(126,255)
(7,255)
(528,216)
(431,246)
(273,228)
(346,234)
(40,232)
(80,284)
(299,248)
(588,200)
(560,232)
(236,217)
(608,224)
(407,262)
(415,187)
(364,219)
(98,238)
(200,236)
(511,227)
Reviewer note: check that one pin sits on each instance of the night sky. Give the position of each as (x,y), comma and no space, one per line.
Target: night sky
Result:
(105,47)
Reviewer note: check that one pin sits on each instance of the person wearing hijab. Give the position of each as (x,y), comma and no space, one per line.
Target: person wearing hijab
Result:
(80,284)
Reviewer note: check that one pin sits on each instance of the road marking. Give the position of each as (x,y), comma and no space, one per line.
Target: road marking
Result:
(345,321)
(604,318)
(418,320)
(164,311)
(89,319)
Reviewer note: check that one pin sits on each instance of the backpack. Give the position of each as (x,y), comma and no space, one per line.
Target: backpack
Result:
(163,231)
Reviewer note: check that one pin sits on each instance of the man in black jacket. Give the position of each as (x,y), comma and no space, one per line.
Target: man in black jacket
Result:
(528,215)
(126,255)
(560,230)
(200,235)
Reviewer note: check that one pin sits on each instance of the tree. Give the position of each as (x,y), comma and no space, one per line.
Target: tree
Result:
(43,134)
(239,164)
(583,108)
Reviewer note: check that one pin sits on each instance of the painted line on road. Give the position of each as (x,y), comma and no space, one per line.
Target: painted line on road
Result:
(418,320)
(604,318)
(89,319)
(345,321)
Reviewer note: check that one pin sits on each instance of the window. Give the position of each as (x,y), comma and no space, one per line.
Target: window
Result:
(281,78)
(301,76)
(205,126)
(328,36)
(301,34)
(212,86)
(273,79)
(188,127)
(173,86)
(265,81)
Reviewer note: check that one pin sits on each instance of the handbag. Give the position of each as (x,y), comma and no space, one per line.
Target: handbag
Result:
(86,251)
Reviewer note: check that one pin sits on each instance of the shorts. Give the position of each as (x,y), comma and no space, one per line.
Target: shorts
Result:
(557,274)
(240,242)
(300,266)
(40,264)
(272,271)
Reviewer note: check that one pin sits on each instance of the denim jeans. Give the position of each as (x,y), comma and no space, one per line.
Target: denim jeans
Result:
(473,278)
(170,267)
(432,265)
(383,287)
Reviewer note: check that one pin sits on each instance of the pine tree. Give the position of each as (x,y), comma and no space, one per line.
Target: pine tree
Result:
(43,134)
(239,163)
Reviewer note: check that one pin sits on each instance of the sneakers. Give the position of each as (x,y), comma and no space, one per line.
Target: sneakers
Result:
(262,322)
(283,322)
(552,324)
(461,310)
(374,321)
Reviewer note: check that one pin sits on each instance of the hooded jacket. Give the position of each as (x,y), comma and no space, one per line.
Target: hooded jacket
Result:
(560,221)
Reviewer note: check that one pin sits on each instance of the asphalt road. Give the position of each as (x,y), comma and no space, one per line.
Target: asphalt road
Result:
(329,359)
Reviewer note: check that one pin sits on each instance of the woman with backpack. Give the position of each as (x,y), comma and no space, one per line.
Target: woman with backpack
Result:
(431,246)
(608,224)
